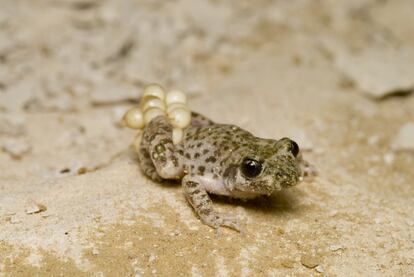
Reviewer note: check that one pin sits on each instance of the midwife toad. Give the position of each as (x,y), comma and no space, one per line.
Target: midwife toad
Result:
(219,159)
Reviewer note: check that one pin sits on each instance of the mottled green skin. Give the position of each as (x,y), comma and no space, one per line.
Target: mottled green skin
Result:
(208,160)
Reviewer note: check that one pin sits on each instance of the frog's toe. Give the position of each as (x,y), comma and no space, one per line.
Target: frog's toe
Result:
(230,221)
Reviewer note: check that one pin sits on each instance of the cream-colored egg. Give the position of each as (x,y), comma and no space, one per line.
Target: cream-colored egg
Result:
(133,118)
(179,117)
(152,102)
(151,114)
(175,96)
(175,106)
(154,90)
(177,135)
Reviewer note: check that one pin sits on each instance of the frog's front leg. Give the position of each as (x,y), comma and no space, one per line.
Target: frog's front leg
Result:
(157,141)
(203,206)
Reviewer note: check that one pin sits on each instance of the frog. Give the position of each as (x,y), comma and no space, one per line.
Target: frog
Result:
(220,159)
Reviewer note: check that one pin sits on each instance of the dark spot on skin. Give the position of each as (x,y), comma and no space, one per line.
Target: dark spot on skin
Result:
(205,151)
(201,170)
(215,176)
(196,155)
(145,154)
(191,184)
(187,155)
(175,161)
(211,159)
(196,191)
(199,206)
(199,144)
(192,166)
(181,152)
(165,141)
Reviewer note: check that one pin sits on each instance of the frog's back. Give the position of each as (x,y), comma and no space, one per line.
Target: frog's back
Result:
(218,136)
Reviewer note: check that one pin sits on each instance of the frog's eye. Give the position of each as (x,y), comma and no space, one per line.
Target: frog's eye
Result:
(251,168)
(291,146)
(294,148)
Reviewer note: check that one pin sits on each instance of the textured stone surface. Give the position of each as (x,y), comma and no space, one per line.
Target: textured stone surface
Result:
(263,65)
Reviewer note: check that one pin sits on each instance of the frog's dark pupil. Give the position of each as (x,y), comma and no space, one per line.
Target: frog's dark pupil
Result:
(251,168)
(294,148)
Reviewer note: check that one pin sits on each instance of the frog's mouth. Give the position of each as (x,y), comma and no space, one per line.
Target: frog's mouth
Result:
(289,179)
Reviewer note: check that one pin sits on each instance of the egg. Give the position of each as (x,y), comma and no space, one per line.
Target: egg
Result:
(134,118)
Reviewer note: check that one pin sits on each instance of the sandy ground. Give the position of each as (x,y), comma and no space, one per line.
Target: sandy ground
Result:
(333,75)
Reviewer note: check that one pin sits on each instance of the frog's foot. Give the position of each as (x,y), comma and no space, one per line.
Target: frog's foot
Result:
(217,221)
(157,141)
(199,199)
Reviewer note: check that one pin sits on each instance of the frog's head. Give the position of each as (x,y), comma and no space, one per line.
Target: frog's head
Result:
(264,169)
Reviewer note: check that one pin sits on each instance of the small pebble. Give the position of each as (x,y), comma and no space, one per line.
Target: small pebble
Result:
(35,208)
(310,261)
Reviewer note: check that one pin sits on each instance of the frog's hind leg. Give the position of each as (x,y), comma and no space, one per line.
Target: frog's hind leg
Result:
(157,145)
(199,199)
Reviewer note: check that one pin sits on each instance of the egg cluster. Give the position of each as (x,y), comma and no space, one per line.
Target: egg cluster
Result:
(155,102)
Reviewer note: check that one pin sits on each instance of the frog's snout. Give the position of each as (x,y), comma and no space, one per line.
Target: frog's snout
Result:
(288,173)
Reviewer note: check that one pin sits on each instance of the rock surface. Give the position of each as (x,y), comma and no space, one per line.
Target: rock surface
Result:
(263,65)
